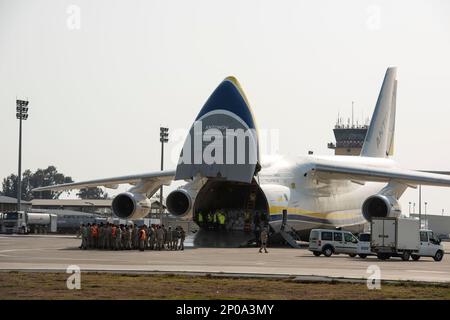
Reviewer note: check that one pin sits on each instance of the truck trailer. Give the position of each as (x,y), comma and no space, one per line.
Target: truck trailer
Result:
(26,222)
(402,237)
(395,237)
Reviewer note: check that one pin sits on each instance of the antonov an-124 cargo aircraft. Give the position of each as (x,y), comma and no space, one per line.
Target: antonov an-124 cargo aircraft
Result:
(220,164)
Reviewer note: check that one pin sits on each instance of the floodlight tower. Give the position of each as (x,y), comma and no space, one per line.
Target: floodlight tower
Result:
(21,114)
(163,138)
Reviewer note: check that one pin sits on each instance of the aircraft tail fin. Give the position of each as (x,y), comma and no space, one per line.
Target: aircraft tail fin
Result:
(379,140)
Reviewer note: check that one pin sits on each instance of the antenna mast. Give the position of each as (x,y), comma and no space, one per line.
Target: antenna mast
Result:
(352,114)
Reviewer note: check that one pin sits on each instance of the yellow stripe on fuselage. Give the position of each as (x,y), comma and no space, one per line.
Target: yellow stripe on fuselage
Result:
(323,215)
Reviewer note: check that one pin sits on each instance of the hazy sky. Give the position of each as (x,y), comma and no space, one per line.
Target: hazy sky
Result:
(103,76)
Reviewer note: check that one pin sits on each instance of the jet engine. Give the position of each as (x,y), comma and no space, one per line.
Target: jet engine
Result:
(380,206)
(179,202)
(129,205)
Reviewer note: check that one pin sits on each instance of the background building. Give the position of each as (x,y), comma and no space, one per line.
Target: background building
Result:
(438,223)
(99,206)
(10,204)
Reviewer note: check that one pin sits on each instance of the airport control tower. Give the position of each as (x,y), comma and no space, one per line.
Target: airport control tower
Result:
(349,138)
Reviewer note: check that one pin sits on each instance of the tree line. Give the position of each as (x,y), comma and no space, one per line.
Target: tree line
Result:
(43,178)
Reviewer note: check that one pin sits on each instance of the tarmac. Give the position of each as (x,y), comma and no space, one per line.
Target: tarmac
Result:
(56,253)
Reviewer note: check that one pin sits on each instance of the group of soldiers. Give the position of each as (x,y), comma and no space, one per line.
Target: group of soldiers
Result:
(222,219)
(128,237)
(213,220)
(230,219)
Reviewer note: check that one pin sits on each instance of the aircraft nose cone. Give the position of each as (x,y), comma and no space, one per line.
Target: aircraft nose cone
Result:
(223,141)
(229,96)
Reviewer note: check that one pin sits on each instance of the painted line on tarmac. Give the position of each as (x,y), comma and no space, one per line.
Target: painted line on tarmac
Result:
(24,249)
(32,235)
(27,249)
(428,271)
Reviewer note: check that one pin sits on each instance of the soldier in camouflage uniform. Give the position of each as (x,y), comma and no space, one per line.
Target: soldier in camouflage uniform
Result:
(135,237)
(118,238)
(152,237)
(263,239)
(175,237)
(169,238)
(84,237)
(101,236)
(124,237)
(182,237)
(160,238)
(130,236)
(108,236)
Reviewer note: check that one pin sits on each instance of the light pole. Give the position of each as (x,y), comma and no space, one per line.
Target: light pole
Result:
(414,207)
(420,204)
(426,220)
(410,207)
(21,114)
(163,138)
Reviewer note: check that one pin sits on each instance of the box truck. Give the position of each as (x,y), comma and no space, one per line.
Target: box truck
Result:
(402,237)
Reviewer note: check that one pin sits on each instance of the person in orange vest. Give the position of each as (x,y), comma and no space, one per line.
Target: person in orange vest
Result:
(94,234)
(113,237)
(142,238)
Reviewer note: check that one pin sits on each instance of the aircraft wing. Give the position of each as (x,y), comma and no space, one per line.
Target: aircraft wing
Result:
(338,171)
(438,172)
(145,182)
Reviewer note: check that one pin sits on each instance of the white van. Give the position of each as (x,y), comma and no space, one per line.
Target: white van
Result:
(430,246)
(328,242)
